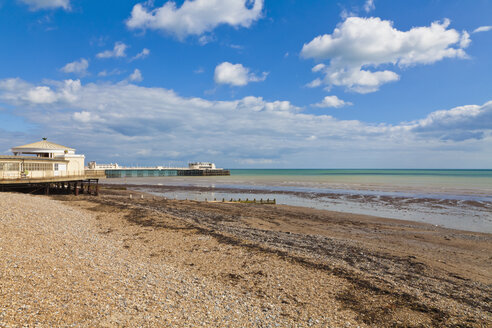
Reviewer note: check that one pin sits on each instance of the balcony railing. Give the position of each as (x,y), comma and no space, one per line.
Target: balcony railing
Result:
(46,175)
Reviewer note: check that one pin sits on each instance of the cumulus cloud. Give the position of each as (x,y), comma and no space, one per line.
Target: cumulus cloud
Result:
(119,50)
(235,74)
(482,29)
(47,4)
(41,95)
(195,17)
(314,83)
(86,117)
(257,104)
(359,43)
(136,76)
(248,129)
(144,53)
(332,101)
(77,67)
(459,123)
(19,92)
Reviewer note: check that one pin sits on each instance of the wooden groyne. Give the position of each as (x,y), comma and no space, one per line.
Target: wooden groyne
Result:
(231,200)
(246,201)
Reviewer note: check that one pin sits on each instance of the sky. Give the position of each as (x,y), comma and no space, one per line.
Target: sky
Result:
(251,83)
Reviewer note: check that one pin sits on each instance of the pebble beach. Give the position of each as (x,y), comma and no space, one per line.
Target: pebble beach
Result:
(112,261)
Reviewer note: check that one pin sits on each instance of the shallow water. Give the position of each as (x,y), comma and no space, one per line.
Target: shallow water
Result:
(458,199)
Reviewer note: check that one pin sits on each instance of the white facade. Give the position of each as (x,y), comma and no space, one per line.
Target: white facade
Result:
(95,166)
(71,163)
(201,166)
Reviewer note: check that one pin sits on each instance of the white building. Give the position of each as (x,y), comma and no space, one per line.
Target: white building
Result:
(94,166)
(201,166)
(60,160)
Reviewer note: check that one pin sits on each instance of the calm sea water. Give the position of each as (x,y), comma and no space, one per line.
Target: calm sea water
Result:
(372,172)
(450,182)
(460,199)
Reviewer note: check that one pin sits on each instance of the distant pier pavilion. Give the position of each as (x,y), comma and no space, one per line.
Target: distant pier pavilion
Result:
(193,169)
(47,166)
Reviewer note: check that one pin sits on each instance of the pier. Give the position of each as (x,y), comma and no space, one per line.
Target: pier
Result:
(162,172)
(193,169)
(49,167)
(82,184)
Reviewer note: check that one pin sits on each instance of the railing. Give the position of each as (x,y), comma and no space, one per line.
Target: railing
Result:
(35,175)
(95,173)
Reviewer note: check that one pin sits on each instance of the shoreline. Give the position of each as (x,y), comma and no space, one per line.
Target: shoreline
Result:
(260,265)
(447,213)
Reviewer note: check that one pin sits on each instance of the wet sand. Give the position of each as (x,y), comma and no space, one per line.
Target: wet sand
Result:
(454,213)
(267,266)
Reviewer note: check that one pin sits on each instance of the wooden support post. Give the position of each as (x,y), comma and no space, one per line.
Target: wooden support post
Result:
(82,187)
(97,187)
(76,190)
(47,189)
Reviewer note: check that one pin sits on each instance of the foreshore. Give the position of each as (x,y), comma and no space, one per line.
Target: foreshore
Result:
(466,211)
(119,261)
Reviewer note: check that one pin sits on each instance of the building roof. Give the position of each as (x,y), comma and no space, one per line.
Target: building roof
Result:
(31,158)
(44,144)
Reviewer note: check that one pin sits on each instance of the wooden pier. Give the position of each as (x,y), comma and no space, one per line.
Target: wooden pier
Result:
(87,183)
(162,172)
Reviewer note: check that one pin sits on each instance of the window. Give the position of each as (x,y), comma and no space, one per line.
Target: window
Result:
(6,166)
(38,166)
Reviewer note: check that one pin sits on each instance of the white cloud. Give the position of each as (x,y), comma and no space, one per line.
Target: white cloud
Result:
(47,4)
(359,43)
(314,83)
(459,123)
(235,74)
(136,76)
(256,161)
(119,50)
(41,95)
(332,101)
(77,67)
(204,39)
(144,53)
(105,73)
(257,104)
(465,40)
(20,92)
(318,67)
(250,128)
(86,117)
(359,80)
(195,17)
(482,29)
(369,6)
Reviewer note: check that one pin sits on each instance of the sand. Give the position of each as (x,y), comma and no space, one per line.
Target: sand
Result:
(114,261)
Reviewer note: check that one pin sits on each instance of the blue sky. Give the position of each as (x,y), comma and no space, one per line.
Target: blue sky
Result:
(249,83)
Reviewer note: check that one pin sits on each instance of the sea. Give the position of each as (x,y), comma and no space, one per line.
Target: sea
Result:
(456,199)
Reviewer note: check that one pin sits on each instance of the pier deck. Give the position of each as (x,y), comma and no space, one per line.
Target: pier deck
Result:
(87,182)
(163,172)
(19,179)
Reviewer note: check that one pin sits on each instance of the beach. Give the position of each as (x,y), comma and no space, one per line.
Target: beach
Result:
(149,261)
(456,199)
